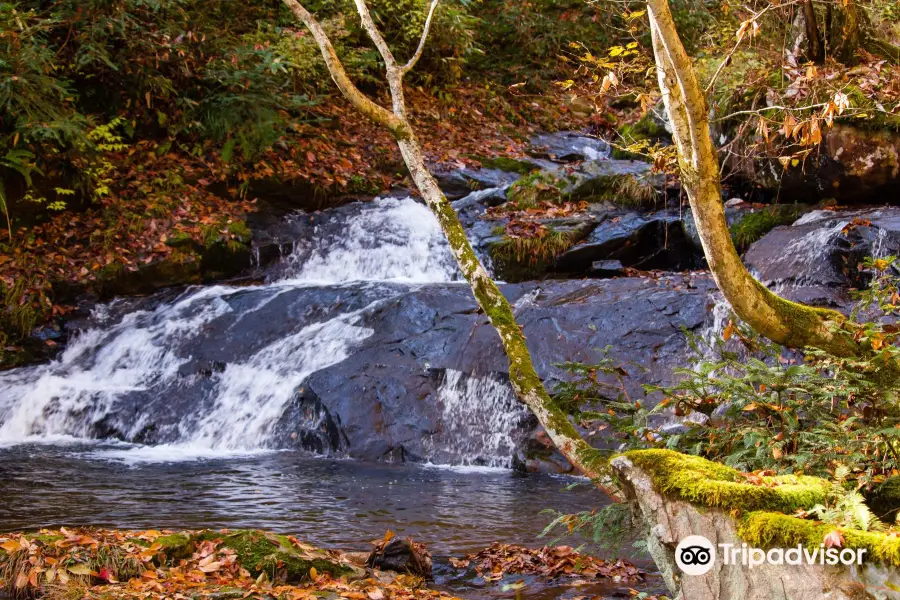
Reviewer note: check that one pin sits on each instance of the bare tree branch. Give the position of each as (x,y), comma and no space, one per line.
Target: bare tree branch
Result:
(415,58)
(369,25)
(394,73)
(363,103)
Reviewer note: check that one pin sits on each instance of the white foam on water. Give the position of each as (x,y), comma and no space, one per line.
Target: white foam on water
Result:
(66,396)
(479,418)
(467,469)
(49,440)
(170,453)
(253,394)
(389,239)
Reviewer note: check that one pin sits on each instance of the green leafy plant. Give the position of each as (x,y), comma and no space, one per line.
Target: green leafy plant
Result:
(21,162)
(845,508)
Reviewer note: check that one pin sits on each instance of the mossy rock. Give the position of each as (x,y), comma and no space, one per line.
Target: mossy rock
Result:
(764,512)
(884,501)
(507,164)
(763,529)
(647,129)
(706,483)
(752,226)
(275,555)
(523,259)
(533,189)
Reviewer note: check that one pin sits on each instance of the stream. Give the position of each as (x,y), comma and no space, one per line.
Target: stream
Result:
(328,502)
(194,409)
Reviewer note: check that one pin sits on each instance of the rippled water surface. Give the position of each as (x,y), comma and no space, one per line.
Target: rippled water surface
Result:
(335,503)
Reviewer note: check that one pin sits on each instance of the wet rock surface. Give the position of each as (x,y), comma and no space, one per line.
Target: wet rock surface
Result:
(418,350)
(402,556)
(644,241)
(567,146)
(817,259)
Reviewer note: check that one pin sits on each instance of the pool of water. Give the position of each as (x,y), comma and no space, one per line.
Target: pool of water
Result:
(334,503)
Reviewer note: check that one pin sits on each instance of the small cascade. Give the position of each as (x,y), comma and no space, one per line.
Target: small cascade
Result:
(213,371)
(389,239)
(714,328)
(480,418)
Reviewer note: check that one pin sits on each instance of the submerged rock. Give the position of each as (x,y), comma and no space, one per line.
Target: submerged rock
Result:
(401,556)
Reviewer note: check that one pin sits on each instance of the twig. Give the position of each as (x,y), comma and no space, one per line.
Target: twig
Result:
(412,61)
(727,58)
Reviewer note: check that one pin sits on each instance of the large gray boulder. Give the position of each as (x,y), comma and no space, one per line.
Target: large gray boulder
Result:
(817,259)
(423,373)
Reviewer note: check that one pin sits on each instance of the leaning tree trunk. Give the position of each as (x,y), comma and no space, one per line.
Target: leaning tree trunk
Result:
(780,320)
(525,381)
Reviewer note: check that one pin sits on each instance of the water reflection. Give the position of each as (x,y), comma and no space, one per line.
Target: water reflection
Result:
(336,503)
(330,502)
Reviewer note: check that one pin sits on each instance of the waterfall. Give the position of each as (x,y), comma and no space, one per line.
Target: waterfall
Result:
(133,366)
(481,416)
(387,240)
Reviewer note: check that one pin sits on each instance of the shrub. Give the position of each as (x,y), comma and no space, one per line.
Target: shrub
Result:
(755,406)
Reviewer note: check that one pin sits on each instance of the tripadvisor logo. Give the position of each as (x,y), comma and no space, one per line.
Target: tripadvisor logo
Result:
(696,555)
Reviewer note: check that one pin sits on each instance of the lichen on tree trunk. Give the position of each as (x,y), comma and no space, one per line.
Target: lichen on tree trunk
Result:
(782,321)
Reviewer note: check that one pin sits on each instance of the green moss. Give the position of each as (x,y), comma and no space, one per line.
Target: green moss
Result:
(632,191)
(276,556)
(533,189)
(885,500)
(180,239)
(867,114)
(754,226)
(774,530)
(520,258)
(510,165)
(646,129)
(45,538)
(700,481)
(176,546)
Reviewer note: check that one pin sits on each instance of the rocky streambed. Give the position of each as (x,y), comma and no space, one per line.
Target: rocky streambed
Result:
(359,339)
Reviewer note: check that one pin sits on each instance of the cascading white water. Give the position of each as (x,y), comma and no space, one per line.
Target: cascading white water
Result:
(388,240)
(480,416)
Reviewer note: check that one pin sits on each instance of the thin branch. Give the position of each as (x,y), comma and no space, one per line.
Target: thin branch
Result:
(369,25)
(412,62)
(362,102)
(727,59)
(393,72)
